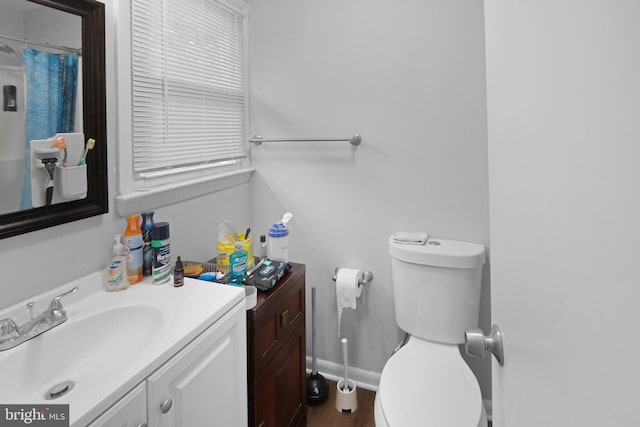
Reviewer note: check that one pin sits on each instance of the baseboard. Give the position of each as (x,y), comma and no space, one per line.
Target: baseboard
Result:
(364,379)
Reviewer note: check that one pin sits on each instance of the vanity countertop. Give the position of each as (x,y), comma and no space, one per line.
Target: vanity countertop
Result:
(110,343)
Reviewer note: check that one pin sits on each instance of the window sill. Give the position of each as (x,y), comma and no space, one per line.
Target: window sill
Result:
(139,201)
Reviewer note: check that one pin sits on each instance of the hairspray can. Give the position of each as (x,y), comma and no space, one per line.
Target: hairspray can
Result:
(147,250)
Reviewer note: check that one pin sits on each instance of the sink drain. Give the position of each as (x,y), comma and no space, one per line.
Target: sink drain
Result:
(59,390)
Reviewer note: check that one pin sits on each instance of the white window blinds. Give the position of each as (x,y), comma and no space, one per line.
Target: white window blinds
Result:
(188,85)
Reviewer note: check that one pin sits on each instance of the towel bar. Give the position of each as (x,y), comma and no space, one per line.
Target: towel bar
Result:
(355,139)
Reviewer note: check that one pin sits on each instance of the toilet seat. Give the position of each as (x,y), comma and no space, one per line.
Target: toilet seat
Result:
(428,384)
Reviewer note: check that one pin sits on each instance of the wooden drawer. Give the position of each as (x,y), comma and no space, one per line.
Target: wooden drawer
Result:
(277,315)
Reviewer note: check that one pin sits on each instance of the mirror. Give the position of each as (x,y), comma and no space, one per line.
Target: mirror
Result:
(90,118)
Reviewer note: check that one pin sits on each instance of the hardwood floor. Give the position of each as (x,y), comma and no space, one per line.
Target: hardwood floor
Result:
(326,414)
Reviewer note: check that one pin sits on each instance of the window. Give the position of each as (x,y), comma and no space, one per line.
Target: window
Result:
(187,86)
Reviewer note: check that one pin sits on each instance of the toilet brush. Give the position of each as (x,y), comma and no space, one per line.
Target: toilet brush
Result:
(346,393)
(345,359)
(317,386)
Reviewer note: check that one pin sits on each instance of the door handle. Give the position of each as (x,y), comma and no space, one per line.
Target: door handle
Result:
(477,344)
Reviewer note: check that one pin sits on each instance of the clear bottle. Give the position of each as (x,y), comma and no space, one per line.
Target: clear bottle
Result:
(133,239)
(116,272)
(263,246)
(279,242)
(237,265)
(147,250)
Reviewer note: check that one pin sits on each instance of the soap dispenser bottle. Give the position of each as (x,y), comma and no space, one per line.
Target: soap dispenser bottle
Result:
(116,274)
(237,265)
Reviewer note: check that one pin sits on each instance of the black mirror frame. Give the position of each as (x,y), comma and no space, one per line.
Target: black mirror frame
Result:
(95,126)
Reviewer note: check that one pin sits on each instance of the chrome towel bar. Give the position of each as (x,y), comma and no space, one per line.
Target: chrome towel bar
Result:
(355,139)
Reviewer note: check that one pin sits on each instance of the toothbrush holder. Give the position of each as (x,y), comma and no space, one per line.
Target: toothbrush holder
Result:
(73,182)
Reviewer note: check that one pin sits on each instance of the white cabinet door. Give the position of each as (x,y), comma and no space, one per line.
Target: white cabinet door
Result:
(130,411)
(563,86)
(206,383)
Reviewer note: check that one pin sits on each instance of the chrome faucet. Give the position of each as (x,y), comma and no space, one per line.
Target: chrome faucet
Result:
(12,335)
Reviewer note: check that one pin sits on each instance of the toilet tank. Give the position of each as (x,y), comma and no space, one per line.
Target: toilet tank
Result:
(436,288)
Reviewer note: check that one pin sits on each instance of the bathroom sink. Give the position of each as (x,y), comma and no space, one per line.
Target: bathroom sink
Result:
(110,343)
(80,353)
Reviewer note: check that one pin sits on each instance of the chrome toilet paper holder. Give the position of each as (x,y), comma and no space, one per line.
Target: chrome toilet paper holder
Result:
(365,276)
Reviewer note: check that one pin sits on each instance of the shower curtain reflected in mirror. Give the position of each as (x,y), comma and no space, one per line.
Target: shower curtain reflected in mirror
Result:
(51,83)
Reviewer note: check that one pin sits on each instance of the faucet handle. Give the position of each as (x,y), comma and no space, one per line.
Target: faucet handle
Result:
(30,307)
(55,303)
(8,329)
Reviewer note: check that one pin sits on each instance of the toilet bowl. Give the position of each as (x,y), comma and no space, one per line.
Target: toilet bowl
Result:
(428,384)
(436,291)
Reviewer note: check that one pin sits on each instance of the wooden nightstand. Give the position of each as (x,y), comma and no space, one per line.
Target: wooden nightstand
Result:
(276,354)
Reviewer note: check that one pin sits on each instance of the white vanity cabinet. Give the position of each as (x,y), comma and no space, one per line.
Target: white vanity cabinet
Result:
(204,384)
(130,411)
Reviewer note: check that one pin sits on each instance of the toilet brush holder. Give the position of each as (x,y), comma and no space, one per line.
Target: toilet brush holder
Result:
(346,398)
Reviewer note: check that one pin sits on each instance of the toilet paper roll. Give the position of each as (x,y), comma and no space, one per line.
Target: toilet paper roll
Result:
(347,290)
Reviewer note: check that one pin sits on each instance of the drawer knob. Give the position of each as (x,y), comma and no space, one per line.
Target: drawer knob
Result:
(166,406)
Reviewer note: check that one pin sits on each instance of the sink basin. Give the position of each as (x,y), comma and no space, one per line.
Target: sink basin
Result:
(82,351)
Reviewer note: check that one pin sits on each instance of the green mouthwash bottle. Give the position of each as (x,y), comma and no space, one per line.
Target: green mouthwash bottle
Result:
(237,265)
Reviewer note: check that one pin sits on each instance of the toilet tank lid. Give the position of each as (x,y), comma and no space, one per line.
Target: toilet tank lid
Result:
(440,253)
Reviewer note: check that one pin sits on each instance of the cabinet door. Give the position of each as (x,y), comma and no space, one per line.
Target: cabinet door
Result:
(130,411)
(280,389)
(275,320)
(206,383)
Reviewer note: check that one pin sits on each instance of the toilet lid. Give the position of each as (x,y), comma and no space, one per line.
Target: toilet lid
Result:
(429,384)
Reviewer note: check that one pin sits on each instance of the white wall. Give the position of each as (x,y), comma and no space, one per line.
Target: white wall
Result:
(44,25)
(11,122)
(11,189)
(41,260)
(47,25)
(409,77)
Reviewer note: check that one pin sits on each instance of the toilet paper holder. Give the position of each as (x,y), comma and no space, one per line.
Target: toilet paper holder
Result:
(365,277)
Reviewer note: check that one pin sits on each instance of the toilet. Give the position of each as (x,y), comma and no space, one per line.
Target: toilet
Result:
(436,290)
